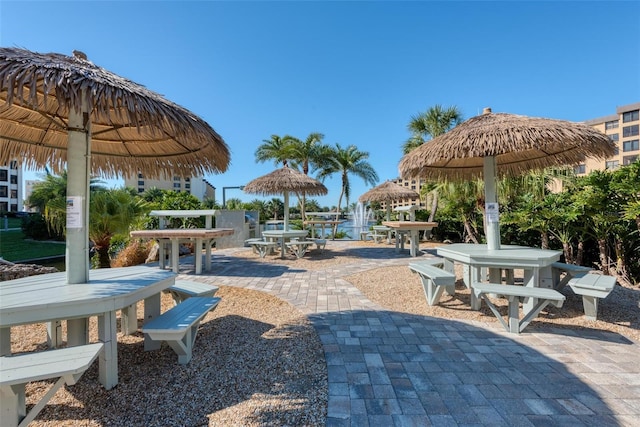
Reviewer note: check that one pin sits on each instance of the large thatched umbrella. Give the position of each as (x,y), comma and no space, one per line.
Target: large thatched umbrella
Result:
(57,110)
(388,192)
(494,144)
(282,181)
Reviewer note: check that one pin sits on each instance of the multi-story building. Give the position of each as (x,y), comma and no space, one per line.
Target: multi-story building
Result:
(10,188)
(623,128)
(198,186)
(412,184)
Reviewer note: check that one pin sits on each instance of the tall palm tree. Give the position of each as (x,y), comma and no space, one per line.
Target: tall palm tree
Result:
(306,154)
(436,121)
(276,148)
(347,161)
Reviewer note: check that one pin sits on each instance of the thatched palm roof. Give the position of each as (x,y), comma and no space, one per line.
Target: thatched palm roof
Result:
(388,192)
(133,129)
(518,143)
(285,180)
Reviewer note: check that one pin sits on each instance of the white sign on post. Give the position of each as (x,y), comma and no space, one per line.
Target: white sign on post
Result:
(74,212)
(492,212)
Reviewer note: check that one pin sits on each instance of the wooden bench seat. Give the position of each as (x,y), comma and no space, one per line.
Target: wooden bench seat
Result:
(263,247)
(179,326)
(434,280)
(183,289)
(592,287)
(299,247)
(66,364)
(570,270)
(513,293)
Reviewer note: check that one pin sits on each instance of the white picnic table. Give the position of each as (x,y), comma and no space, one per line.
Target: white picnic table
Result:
(48,298)
(411,227)
(536,263)
(282,236)
(162,215)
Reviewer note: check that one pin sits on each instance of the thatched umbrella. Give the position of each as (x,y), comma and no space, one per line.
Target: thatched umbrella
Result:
(59,109)
(494,144)
(388,192)
(282,181)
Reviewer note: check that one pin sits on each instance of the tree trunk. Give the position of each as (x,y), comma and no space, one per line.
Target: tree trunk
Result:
(604,259)
(567,250)
(580,254)
(469,231)
(103,256)
(434,205)
(545,239)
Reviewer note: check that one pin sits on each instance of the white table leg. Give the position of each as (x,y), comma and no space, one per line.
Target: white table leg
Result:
(207,254)
(78,331)
(175,255)
(161,253)
(197,254)
(108,359)
(415,244)
(151,311)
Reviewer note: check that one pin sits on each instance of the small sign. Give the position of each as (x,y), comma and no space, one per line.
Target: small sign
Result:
(74,212)
(492,212)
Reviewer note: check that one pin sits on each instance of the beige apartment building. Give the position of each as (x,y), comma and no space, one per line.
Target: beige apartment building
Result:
(623,128)
(198,186)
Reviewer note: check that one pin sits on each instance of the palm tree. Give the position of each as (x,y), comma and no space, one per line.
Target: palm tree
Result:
(347,161)
(306,154)
(430,124)
(277,149)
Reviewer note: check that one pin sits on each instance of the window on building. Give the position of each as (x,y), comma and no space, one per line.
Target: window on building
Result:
(140,176)
(187,180)
(140,182)
(187,186)
(580,169)
(176,178)
(616,150)
(627,160)
(14,208)
(611,125)
(630,130)
(4,175)
(14,194)
(13,179)
(630,116)
(4,191)
(611,164)
(4,206)
(140,189)
(615,137)
(176,185)
(632,145)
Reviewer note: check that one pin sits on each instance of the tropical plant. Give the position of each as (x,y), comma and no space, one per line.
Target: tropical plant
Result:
(276,148)
(346,161)
(275,208)
(306,154)
(430,124)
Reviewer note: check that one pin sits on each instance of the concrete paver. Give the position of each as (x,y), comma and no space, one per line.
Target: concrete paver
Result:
(395,369)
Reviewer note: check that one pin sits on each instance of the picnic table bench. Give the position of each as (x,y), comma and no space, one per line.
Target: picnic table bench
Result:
(179,325)
(263,247)
(434,280)
(183,289)
(299,247)
(66,364)
(592,287)
(570,270)
(513,293)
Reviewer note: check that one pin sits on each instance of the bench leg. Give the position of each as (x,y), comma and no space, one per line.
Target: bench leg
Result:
(77,331)
(184,347)
(108,358)
(432,292)
(54,334)
(197,254)
(13,404)
(129,320)
(590,304)
(151,311)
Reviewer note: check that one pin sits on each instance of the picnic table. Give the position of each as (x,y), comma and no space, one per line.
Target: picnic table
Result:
(48,298)
(413,228)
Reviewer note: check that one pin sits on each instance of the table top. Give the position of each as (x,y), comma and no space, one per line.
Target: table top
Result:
(322,222)
(183,233)
(47,297)
(410,225)
(507,256)
(285,233)
(183,213)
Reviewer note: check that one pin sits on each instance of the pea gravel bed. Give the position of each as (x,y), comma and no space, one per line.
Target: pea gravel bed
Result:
(257,361)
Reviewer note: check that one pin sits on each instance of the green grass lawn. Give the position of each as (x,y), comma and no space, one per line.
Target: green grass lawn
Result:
(13,247)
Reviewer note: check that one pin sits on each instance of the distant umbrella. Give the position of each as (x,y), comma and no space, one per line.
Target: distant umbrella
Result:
(57,110)
(283,181)
(494,144)
(388,192)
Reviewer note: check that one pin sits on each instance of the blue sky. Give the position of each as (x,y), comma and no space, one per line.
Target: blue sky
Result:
(354,71)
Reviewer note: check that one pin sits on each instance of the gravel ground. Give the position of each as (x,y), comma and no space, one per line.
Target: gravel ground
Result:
(258,361)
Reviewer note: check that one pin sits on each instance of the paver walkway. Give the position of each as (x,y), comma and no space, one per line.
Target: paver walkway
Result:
(395,369)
